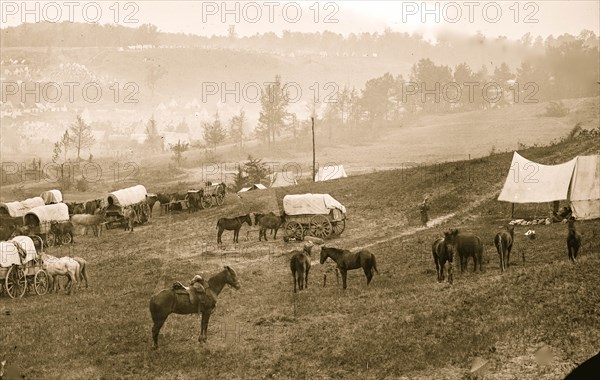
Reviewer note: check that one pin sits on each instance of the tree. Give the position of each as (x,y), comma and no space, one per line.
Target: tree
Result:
(178,150)
(81,136)
(154,141)
(376,98)
(240,180)
(61,147)
(256,170)
(214,134)
(236,128)
(274,103)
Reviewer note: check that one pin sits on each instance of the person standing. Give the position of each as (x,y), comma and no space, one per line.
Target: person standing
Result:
(424,208)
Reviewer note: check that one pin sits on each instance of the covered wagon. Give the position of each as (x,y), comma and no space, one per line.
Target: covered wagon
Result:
(11,213)
(134,197)
(317,215)
(52,196)
(39,221)
(21,267)
(206,197)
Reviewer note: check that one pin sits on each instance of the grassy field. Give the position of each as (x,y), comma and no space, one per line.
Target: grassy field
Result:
(405,325)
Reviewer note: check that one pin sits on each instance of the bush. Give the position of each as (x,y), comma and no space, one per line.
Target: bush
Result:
(82,185)
(556,109)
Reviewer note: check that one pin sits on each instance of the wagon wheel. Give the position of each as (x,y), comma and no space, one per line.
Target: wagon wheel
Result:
(220,198)
(41,282)
(294,230)
(320,227)
(339,227)
(65,239)
(50,239)
(206,201)
(16,282)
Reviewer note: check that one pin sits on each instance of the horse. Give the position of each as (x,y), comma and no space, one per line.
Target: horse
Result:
(441,255)
(573,240)
(150,201)
(467,245)
(60,229)
(167,301)
(82,275)
(164,200)
(232,224)
(269,221)
(347,260)
(130,218)
(193,200)
(300,266)
(64,266)
(93,221)
(92,206)
(504,242)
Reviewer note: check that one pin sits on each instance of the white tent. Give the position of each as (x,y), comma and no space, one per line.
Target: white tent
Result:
(256,186)
(330,172)
(283,179)
(577,181)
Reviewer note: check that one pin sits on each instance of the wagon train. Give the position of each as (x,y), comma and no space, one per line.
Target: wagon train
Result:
(21,267)
(318,215)
(207,197)
(134,197)
(39,221)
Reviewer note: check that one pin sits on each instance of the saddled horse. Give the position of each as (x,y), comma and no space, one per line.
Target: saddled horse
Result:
(300,266)
(269,221)
(347,260)
(441,255)
(232,224)
(504,242)
(168,301)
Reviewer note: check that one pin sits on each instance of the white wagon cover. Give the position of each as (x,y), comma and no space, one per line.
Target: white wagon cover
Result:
(50,213)
(27,245)
(128,196)
(52,196)
(9,254)
(20,208)
(313,204)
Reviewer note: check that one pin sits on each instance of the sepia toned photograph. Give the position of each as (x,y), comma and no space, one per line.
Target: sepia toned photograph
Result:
(300,190)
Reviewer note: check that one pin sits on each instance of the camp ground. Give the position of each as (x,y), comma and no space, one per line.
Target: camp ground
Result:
(329,172)
(576,181)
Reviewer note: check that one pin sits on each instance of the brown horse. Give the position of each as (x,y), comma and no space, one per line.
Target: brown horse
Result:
(269,221)
(347,260)
(504,242)
(441,255)
(130,218)
(573,240)
(467,245)
(300,266)
(232,224)
(167,301)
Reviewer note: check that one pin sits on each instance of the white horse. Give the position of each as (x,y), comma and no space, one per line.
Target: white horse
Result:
(64,266)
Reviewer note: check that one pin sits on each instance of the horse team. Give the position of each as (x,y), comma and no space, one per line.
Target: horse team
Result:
(468,245)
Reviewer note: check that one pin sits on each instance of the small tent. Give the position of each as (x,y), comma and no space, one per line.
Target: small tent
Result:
(577,181)
(256,186)
(330,172)
(283,179)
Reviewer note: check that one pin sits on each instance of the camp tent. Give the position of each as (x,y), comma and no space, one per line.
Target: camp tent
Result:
(256,186)
(577,181)
(327,173)
(283,179)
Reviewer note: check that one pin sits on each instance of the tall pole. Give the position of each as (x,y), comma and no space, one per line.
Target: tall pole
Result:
(313,146)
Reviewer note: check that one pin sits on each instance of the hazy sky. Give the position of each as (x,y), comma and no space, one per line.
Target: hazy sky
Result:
(492,18)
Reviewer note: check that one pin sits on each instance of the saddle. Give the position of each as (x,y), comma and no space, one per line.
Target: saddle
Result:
(192,291)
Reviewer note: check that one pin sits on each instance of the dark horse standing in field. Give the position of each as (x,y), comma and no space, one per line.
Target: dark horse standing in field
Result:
(466,245)
(441,255)
(573,240)
(232,224)
(300,266)
(269,221)
(504,242)
(347,260)
(169,301)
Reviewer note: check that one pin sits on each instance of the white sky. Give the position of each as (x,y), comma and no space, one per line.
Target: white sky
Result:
(205,17)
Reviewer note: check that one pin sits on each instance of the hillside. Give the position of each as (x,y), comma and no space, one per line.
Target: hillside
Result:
(404,324)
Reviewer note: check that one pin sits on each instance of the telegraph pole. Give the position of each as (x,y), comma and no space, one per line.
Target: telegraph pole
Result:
(314,173)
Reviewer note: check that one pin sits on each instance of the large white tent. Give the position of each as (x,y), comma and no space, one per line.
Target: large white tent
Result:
(577,181)
(330,172)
